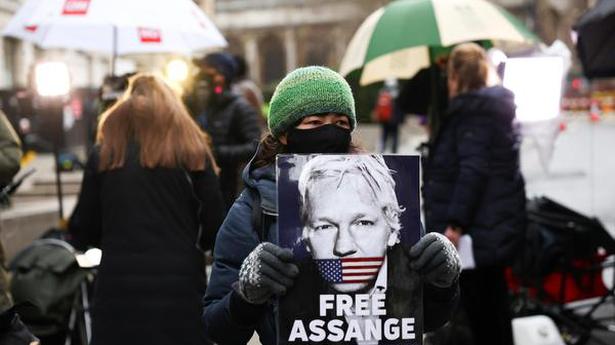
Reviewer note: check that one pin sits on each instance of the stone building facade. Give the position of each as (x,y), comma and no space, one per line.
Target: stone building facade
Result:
(555,18)
(276,36)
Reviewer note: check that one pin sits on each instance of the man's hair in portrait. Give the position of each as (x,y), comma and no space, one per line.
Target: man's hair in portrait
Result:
(373,170)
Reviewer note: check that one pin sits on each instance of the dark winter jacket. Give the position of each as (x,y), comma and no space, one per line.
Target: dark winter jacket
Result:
(228,319)
(235,129)
(152,275)
(472,177)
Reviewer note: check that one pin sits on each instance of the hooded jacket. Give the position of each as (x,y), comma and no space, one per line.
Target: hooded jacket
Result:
(472,177)
(228,319)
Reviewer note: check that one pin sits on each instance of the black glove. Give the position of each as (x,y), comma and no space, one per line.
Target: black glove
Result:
(436,259)
(266,272)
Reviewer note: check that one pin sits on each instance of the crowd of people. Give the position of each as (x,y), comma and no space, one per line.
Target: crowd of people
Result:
(172,178)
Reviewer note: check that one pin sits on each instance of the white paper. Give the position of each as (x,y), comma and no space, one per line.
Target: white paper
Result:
(466,253)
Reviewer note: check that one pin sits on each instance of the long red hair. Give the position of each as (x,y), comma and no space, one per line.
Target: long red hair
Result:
(151,115)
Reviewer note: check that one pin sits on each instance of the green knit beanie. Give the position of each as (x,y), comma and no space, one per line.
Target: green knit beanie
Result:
(309,91)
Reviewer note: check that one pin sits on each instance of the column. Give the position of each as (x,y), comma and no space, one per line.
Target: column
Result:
(5,79)
(209,7)
(250,47)
(341,43)
(90,70)
(290,45)
(24,61)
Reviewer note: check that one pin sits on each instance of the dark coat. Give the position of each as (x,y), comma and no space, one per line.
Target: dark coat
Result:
(152,275)
(227,317)
(235,129)
(472,177)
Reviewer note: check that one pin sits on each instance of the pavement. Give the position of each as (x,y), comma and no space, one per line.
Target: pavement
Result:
(34,207)
(579,174)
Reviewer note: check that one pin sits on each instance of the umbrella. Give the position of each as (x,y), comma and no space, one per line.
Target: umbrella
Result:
(395,40)
(596,40)
(116,27)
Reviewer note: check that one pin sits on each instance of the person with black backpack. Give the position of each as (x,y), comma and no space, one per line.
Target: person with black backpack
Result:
(312,111)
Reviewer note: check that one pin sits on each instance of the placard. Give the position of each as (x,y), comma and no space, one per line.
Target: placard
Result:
(350,221)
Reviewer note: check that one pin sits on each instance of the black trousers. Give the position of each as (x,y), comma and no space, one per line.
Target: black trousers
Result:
(486,304)
(389,130)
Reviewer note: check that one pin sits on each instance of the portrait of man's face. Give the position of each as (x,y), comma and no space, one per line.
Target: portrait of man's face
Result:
(346,226)
(349,220)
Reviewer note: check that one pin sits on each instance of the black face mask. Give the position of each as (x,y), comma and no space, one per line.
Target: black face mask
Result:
(324,139)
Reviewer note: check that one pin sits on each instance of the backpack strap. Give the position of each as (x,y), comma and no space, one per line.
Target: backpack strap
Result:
(260,219)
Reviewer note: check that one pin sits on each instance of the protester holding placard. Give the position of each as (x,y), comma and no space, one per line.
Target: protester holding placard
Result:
(311,111)
(350,221)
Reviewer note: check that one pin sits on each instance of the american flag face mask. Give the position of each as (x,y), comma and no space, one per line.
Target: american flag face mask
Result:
(350,270)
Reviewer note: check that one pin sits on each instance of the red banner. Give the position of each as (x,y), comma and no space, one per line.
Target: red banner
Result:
(31,28)
(149,35)
(76,7)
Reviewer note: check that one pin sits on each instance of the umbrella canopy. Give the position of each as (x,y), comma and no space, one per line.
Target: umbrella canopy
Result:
(116,27)
(394,41)
(596,40)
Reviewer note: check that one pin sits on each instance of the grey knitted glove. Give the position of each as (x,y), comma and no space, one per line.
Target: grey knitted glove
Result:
(436,259)
(266,272)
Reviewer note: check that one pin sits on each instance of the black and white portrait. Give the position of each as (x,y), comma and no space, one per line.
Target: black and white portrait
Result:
(348,219)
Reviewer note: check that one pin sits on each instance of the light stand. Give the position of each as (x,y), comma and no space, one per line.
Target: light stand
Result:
(53,86)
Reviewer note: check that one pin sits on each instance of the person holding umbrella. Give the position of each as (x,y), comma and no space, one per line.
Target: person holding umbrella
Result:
(472,186)
(312,111)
